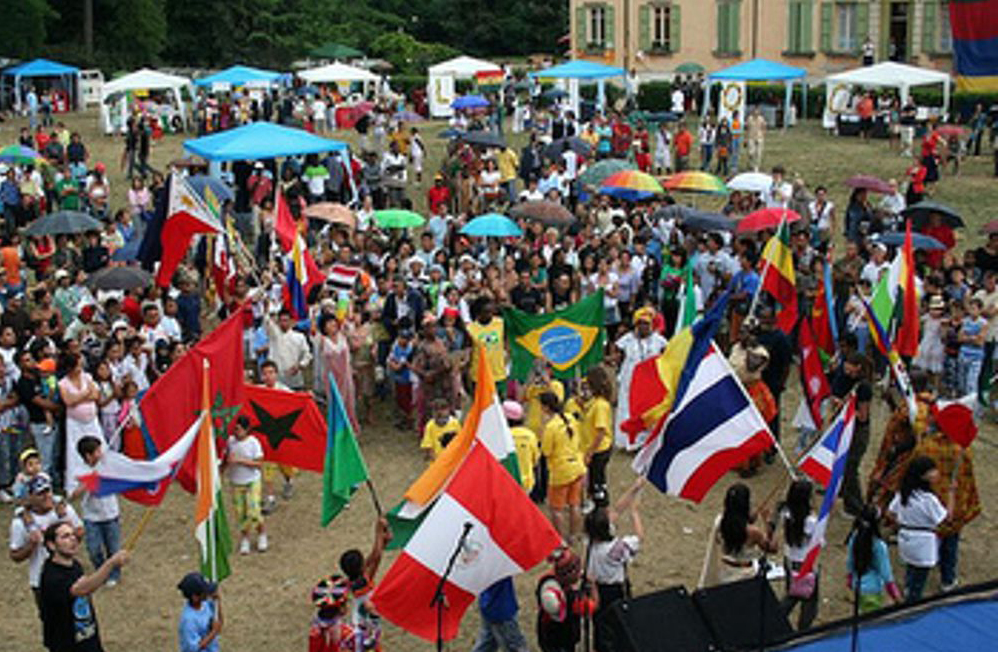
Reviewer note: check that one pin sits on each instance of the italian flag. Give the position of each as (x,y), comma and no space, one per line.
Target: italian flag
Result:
(484,423)
(211,527)
(506,535)
(778,277)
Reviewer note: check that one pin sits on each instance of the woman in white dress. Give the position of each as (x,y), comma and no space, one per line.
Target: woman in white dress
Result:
(79,393)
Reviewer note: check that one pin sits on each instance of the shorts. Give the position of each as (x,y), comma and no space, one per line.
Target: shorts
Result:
(246,502)
(561,496)
(270,470)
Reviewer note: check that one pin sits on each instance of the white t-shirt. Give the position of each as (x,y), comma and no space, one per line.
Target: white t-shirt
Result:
(250,449)
(571,160)
(19,535)
(797,553)
(98,509)
(917,542)
(608,559)
(871,271)
(678,101)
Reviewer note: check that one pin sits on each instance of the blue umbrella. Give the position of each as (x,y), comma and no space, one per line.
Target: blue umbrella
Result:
(222,192)
(555,93)
(469,102)
(918,241)
(492,224)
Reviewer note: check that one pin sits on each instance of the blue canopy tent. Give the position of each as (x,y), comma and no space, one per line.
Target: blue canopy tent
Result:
(259,140)
(580,69)
(70,76)
(240,76)
(761,70)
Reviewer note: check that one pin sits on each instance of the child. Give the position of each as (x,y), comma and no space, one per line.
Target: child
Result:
(360,572)
(931,352)
(31,468)
(128,422)
(869,564)
(100,514)
(109,405)
(439,430)
(329,631)
(244,458)
(973,331)
(951,349)
(398,363)
(528,450)
(201,619)
(50,389)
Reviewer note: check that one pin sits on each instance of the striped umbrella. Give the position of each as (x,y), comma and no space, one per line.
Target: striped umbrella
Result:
(633,180)
(20,155)
(595,174)
(696,181)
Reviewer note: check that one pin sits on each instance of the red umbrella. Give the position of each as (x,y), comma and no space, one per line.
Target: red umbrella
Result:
(869,182)
(766,218)
(950,130)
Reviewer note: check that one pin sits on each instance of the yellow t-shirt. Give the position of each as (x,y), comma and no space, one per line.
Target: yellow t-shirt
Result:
(528,453)
(565,463)
(492,337)
(535,419)
(576,407)
(598,415)
(433,433)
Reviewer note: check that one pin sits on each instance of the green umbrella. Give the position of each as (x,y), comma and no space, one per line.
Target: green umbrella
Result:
(689,67)
(594,174)
(336,51)
(396,218)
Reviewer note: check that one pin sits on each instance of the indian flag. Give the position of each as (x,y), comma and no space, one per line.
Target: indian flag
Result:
(778,277)
(211,527)
(485,423)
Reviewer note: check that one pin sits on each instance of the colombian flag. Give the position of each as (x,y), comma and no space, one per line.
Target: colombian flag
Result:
(779,278)
(975,44)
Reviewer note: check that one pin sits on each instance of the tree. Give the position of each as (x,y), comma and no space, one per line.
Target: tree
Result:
(134,35)
(407,55)
(22,31)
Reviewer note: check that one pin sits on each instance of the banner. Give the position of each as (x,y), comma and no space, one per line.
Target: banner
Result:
(975,44)
(732,100)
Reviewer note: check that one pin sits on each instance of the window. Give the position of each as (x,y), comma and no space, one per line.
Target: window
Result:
(945,31)
(661,27)
(728,26)
(597,26)
(799,26)
(846,32)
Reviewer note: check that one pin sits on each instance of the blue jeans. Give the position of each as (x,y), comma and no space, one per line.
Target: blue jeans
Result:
(949,555)
(733,162)
(11,444)
(970,371)
(914,582)
(46,442)
(505,635)
(103,539)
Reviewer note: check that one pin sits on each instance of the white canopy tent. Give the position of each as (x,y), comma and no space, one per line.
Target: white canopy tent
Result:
(337,72)
(882,75)
(440,84)
(114,114)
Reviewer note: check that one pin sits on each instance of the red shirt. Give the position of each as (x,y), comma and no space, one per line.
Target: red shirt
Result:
(643,161)
(865,108)
(916,175)
(437,196)
(684,143)
(930,144)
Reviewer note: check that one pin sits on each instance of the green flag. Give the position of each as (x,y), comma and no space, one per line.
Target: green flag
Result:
(572,340)
(688,305)
(344,469)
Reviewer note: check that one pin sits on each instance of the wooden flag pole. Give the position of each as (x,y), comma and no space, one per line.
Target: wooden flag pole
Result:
(374,498)
(140,528)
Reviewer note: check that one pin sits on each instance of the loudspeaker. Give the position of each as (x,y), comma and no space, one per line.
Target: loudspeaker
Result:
(733,613)
(665,621)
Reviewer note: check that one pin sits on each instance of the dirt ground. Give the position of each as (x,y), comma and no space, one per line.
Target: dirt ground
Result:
(266,599)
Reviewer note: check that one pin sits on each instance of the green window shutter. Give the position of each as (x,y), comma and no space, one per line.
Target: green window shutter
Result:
(862,23)
(793,11)
(608,30)
(675,31)
(734,25)
(929,16)
(722,27)
(580,27)
(827,9)
(807,25)
(644,27)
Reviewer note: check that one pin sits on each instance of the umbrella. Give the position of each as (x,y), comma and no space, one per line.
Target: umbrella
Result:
(470,102)
(696,181)
(661,116)
(950,130)
(919,214)
(492,224)
(766,218)
(450,132)
(203,182)
(918,240)
(120,278)
(483,138)
(545,212)
(556,147)
(20,155)
(690,67)
(595,174)
(751,182)
(396,218)
(333,213)
(869,182)
(407,116)
(627,194)
(632,180)
(63,222)
(695,220)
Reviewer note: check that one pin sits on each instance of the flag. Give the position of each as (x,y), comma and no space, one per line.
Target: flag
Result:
(151,248)
(984,382)
(506,535)
(138,480)
(823,316)
(654,382)
(289,425)
(907,333)
(834,450)
(955,419)
(687,301)
(572,339)
(812,374)
(186,215)
(883,342)
(778,277)
(301,264)
(172,404)
(343,468)
(485,423)
(975,43)
(211,527)
(489,81)
(223,267)
(297,281)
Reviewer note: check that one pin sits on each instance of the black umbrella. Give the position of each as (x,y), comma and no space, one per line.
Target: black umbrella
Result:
(919,214)
(918,240)
(62,222)
(695,220)
(120,278)
(577,145)
(483,138)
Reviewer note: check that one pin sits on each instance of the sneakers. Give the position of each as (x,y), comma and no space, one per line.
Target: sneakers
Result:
(269,504)
(946,588)
(244,546)
(288,491)
(261,542)
(5,497)
(111,583)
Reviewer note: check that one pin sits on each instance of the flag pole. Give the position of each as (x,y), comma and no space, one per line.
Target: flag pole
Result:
(765,268)
(374,498)
(140,528)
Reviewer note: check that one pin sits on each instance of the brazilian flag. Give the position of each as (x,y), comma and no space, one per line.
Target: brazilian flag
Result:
(572,340)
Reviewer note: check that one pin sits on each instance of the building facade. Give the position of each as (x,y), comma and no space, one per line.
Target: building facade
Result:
(654,37)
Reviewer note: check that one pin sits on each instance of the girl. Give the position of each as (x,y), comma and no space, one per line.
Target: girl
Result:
(798,529)
(108,404)
(931,352)
(597,432)
(733,539)
(869,564)
(560,447)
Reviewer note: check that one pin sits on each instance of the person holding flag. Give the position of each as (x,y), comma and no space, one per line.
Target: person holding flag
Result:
(635,346)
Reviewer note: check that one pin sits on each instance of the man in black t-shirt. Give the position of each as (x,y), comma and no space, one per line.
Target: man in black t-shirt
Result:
(68,618)
(525,296)
(853,375)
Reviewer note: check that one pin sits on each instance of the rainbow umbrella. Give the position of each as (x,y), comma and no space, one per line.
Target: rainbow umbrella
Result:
(20,155)
(632,180)
(696,181)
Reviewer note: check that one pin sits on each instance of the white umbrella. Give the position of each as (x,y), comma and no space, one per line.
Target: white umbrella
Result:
(751,182)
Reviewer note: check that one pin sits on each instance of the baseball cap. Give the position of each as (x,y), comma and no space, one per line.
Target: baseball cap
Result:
(195,584)
(39,485)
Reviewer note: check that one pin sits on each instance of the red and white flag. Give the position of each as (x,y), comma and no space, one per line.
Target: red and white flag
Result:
(508,535)
(186,215)
(812,375)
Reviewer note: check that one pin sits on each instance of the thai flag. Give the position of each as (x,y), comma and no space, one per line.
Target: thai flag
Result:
(836,440)
(713,427)
(119,474)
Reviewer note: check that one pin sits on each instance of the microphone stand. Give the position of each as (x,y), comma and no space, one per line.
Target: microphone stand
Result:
(439,600)
(587,617)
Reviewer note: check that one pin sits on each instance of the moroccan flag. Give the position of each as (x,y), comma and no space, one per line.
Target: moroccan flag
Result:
(344,468)
(823,318)
(779,279)
(907,334)
(572,339)
(186,216)
(485,423)
(211,527)
(975,42)
(289,425)
(812,374)
(502,533)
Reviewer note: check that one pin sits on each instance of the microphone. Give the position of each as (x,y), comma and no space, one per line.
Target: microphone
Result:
(467,527)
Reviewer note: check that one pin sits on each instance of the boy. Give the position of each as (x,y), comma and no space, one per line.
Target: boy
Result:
(439,430)
(31,467)
(102,530)
(973,332)
(201,619)
(360,572)
(528,451)
(398,363)
(244,459)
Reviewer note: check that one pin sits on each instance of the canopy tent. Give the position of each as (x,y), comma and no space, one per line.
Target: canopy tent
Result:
(240,76)
(441,78)
(335,52)
(580,69)
(144,79)
(756,70)
(887,74)
(337,72)
(70,75)
(260,140)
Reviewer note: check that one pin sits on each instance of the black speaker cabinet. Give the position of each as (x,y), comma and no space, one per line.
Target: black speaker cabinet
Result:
(665,621)
(737,613)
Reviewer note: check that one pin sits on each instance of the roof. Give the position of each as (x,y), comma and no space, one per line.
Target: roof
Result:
(260,140)
(239,76)
(890,74)
(337,72)
(41,68)
(462,66)
(144,78)
(758,70)
(579,69)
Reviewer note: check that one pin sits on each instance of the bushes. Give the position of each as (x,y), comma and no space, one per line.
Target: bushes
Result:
(655,96)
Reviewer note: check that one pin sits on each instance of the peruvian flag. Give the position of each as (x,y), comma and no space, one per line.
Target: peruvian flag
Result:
(812,375)
(506,535)
(186,216)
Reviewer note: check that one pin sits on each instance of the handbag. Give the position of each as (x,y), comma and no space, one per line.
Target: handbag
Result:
(802,586)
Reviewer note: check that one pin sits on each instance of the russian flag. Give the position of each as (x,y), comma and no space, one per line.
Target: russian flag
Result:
(836,442)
